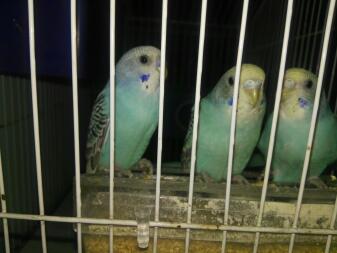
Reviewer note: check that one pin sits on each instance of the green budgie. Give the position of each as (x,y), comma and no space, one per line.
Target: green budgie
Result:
(136,113)
(296,107)
(215,121)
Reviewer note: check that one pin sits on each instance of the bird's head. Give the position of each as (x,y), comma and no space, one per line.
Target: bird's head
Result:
(298,93)
(140,67)
(250,87)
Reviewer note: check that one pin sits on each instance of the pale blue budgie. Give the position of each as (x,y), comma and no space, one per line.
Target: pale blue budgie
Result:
(296,106)
(136,112)
(215,120)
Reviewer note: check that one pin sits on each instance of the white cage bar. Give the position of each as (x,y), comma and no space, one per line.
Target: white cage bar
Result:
(36,120)
(233,119)
(314,118)
(275,119)
(112,118)
(161,116)
(4,208)
(173,225)
(196,117)
(76,124)
(188,226)
(332,225)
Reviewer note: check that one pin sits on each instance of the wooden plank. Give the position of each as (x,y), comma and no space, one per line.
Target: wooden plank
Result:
(178,186)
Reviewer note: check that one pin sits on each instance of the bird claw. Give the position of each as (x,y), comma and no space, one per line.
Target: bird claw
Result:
(316,182)
(123,173)
(239,179)
(206,178)
(146,167)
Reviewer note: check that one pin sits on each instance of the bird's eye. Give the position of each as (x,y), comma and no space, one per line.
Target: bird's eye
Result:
(231,81)
(143,59)
(309,84)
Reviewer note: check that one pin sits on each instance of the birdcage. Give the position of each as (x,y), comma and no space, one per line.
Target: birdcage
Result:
(56,57)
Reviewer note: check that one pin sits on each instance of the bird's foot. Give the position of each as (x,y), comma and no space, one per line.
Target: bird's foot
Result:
(260,179)
(206,178)
(146,167)
(274,187)
(239,179)
(316,182)
(123,173)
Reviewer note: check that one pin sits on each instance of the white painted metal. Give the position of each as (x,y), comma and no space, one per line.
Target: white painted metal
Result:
(233,120)
(4,208)
(76,124)
(161,115)
(112,118)
(196,117)
(332,225)
(173,225)
(314,117)
(275,118)
(36,119)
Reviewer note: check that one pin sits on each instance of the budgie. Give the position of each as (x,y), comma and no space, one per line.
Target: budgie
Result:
(215,121)
(136,113)
(295,114)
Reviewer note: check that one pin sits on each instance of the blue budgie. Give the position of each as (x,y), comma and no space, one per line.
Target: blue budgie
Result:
(215,120)
(296,108)
(136,115)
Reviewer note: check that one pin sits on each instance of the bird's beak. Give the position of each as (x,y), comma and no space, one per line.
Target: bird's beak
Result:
(254,95)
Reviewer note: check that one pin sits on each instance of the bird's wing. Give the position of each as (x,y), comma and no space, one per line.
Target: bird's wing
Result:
(187,148)
(98,131)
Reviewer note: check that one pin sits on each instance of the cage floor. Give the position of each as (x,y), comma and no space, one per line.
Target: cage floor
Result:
(129,245)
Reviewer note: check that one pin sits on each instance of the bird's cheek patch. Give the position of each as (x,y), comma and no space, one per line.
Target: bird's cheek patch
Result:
(144,77)
(303,103)
(230,101)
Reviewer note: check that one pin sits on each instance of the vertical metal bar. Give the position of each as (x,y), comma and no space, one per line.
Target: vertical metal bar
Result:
(196,117)
(332,225)
(234,116)
(36,120)
(161,116)
(4,208)
(112,118)
(76,124)
(333,70)
(314,118)
(315,37)
(275,118)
